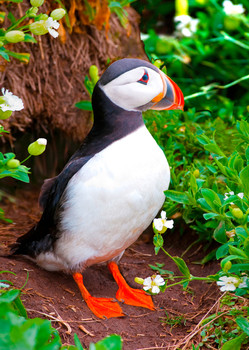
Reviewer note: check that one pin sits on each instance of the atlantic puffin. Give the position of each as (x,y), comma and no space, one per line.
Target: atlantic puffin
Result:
(111,188)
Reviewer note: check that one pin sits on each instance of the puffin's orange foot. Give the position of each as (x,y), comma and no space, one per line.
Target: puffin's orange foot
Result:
(104,307)
(128,295)
(101,307)
(136,297)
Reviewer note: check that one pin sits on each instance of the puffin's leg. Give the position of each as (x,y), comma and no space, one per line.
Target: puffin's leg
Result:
(101,307)
(128,295)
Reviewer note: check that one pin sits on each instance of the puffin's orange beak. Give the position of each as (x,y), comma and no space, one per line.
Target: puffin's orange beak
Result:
(170,98)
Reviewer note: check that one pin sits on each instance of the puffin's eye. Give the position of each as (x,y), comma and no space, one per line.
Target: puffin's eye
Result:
(145,78)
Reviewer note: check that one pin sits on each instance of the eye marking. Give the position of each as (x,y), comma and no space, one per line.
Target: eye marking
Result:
(145,78)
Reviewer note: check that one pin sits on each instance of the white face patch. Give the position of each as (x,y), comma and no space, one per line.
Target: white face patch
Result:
(128,93)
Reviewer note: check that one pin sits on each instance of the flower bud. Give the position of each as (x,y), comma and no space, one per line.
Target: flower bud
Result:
(36,3)
(13,163)
(237,213)
(38,28)
(139,280)
(196,173)
(202,2)
(158,63)
(231,22)
(94,73)
(57,14)
(38,147)
(181,7)
(227,266)
(2,16)
(32,11)
(14,36)
(5,115)
(1,43)
(43,17)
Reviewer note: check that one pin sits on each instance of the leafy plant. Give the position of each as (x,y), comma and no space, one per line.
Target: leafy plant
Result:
(20,30)
(210,64)
(173,321)
(9,165)
(20,332)
(228,328)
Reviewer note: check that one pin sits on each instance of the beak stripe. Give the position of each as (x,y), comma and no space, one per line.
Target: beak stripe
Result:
(179,99)
(161,95)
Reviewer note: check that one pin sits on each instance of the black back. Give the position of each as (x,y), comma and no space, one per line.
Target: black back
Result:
(111,123)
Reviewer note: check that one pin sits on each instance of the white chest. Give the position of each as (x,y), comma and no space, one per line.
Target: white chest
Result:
(112,200)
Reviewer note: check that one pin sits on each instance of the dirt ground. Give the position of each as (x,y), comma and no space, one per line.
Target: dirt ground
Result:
(55,296)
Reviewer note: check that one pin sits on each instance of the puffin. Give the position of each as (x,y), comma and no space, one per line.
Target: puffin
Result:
(112,187)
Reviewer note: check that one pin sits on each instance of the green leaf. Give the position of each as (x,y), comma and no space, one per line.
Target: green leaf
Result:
(23,57)
(193,184)
(18,305)
(211,198)
(29,39)
(246,246)
(236,251)
(77,342)
(244,176)
(230,258)
(158,240)
(19,175)
(214,148)
(182,266)
(160,270)
(9,296)
(203,204)
(239,267)
(4,54)
(85,105)
(231,199)
(240,231)
(220,233)
(89,85)
(112,342)
(208,216)
(211,168)
(178,197)
(234,344)
(210,256)
(247,153)
(222,251)
(11,17)
(243,324)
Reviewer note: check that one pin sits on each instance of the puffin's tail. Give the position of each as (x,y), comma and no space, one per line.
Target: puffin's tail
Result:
(24,244)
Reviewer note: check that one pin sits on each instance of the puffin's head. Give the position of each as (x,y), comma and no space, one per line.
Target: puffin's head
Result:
(137,85)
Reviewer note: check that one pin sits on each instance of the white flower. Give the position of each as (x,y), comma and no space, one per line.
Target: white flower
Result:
(153,283)
(186,25)
(144,36)
(231,193)
(4,285)
(228,283)
(162,224)
(50,24)
(243,284)
(42,141)
(231,9)
(10,102)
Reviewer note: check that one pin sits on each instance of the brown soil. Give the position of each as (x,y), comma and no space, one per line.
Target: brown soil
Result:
(55,295)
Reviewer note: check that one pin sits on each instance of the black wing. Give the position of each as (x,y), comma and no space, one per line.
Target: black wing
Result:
(43,235)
